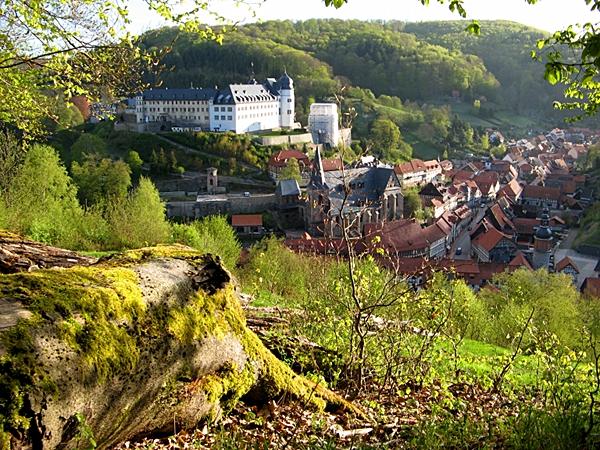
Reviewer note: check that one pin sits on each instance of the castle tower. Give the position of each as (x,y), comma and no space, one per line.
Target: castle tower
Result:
(212,180)
(287,116)
(542,243)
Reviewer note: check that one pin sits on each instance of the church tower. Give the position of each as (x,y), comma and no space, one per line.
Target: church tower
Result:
(318,198)
(542,243)
(287,115)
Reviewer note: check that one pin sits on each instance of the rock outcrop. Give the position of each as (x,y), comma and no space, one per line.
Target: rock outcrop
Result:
(140,343)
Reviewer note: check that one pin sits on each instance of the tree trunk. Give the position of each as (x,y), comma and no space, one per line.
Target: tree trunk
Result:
(133,345)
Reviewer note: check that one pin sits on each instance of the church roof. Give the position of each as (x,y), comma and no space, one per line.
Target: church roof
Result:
(317,177)
(359,187)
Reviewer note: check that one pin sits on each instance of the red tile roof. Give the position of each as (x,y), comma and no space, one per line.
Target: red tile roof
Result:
(399,235)
(501,218)
(566,261)
(489,239)
(281,158)
(519,261)
(332,164)
(543,192)
(513,189)
(246,220)
(416,165)
(525,225)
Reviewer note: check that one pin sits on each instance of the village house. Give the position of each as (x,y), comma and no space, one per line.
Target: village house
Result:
(489,185)
(470,193)
(440,198)
(332,164)
(591,287)
(279,161)
(248,224)
(512,190)
(418,172)
(536,198)
(568,267)
(290,207)
(504,169)
(493,246)
(500,220)
(406,238)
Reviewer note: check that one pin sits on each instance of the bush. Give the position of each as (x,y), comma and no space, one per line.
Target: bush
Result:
(139,220)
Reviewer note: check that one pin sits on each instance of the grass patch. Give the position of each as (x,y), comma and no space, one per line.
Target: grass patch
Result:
(481,361)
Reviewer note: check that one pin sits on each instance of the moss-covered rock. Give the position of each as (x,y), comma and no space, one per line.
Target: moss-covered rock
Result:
(137,343)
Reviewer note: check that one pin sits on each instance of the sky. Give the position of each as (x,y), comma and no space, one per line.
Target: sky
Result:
(549,15)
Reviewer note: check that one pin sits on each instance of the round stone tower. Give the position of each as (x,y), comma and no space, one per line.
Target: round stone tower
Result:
(287,116)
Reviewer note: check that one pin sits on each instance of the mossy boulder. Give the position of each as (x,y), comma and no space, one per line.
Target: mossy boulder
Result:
(140,343)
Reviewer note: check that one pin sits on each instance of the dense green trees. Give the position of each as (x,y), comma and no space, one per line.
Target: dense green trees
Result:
(387,141)
(101,179)
(41,201)
(86,144)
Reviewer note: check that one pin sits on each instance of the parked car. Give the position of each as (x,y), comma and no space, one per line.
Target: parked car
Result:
(458,251)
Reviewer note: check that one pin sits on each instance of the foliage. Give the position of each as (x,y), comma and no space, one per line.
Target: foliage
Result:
(11,158)
(41,200)
(413,205)
(138,220)
(101,179)
(210,235)
(291,171)
(577,69)
(135,162)
(86,144)
(553,299)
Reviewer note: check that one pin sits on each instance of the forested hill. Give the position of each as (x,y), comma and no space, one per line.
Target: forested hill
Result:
(505,48)
(423,62)
(315,51)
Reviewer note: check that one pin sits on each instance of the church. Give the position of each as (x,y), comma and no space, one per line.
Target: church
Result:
(351,198)
(241,108)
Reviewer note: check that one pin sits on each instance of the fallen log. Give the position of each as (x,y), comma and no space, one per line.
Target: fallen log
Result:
(19,255)
(136,344)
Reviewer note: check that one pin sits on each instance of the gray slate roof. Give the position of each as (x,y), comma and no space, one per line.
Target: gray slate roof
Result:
(179,94)
(288,187)
(244,93)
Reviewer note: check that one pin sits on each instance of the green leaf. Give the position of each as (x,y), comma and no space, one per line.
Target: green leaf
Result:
(474,28)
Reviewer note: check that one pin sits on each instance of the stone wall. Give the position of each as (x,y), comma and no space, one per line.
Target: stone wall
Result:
(222,204)
(286,139)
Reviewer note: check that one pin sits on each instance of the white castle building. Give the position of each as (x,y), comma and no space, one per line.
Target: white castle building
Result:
(240,108)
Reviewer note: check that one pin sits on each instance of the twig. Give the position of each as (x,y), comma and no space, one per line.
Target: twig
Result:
(500,377)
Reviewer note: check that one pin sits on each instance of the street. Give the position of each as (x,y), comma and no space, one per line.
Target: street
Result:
(463,240)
